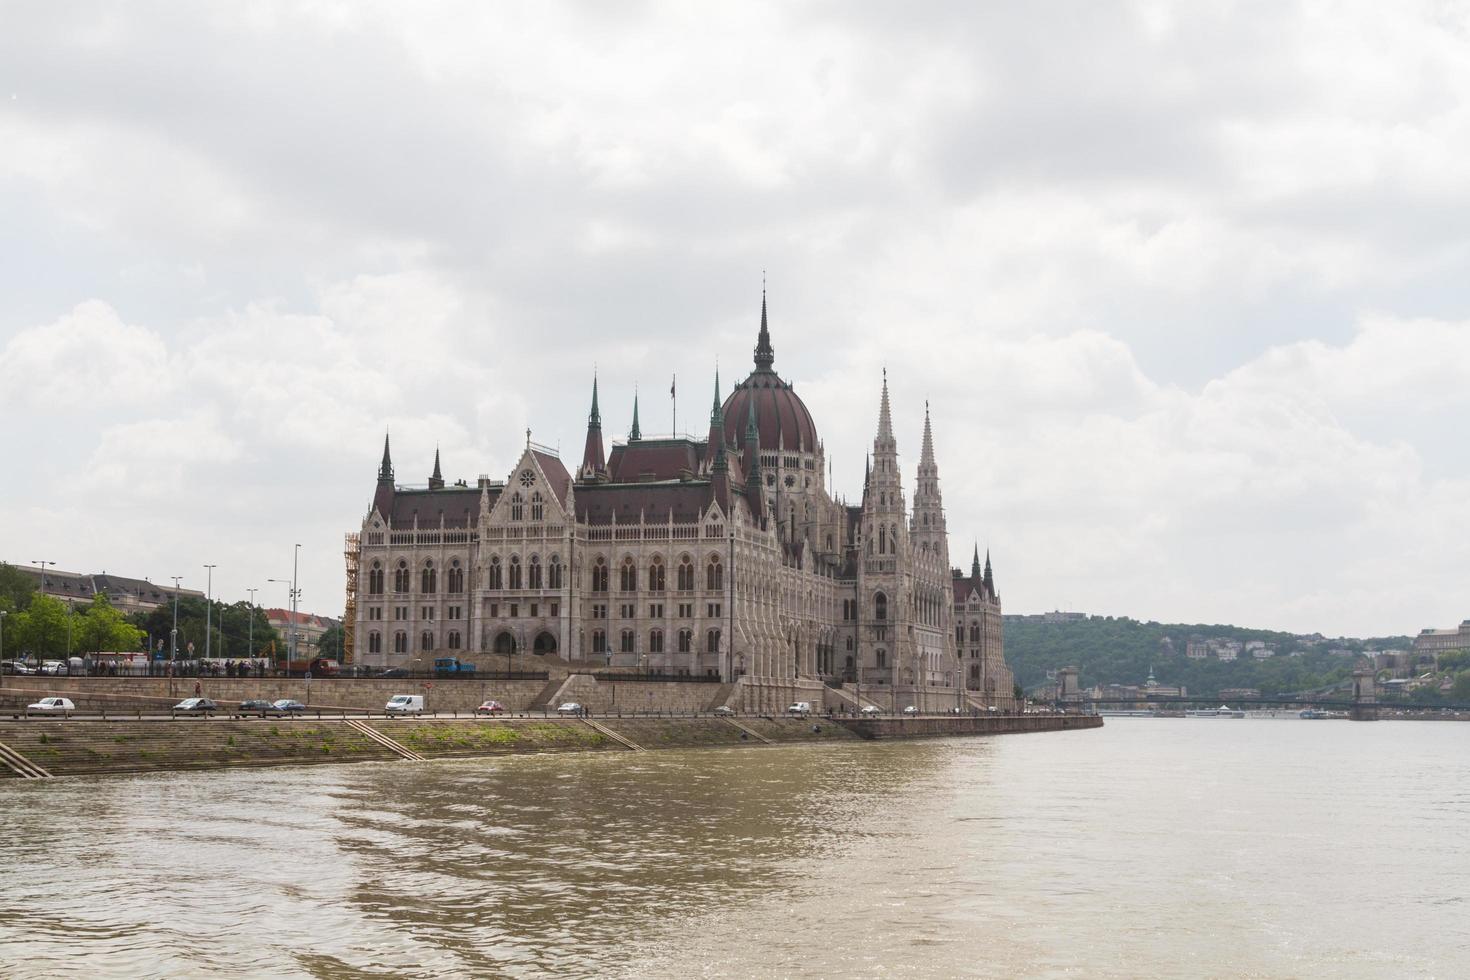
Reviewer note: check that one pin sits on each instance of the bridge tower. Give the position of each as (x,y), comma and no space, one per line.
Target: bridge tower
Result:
(1365,695)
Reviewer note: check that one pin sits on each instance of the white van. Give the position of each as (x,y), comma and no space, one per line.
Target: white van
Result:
(800,709)
(405,704)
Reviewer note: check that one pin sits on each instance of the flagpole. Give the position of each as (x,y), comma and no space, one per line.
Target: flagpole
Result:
(674,396)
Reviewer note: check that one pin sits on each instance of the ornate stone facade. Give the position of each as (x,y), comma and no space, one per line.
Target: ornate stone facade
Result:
(724,558)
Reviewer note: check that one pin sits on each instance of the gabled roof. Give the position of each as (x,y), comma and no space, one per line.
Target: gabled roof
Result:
(556,473)
(665,459)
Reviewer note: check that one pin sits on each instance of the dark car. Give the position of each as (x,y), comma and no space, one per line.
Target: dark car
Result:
(394,672)
(256,707)
(287,706)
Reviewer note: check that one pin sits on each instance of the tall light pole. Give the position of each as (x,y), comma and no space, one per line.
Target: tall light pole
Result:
(43,565)
(295,595)
(291,633)
(3,614)
(173,642)
(208,606)
(251,655)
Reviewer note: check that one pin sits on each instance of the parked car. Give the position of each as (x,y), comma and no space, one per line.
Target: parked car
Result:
(724,709)
(55,667)
(52,705)
(394,672)
(992,708)
(871,709)
(569,708)
(405,704)
(910,710)
(16,667)
(196,705)
(287,706)
(490,708)
(255,707)
(800,709)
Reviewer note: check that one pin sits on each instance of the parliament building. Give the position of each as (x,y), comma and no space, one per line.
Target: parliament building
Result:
(725,558)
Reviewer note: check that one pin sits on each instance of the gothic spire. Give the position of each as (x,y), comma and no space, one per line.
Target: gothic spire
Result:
(593,462)
(765,355)
(885,419)
(716,414)
(975,562)
(989,579)
(635,433)
(436,480)
(926,455)
(385,471)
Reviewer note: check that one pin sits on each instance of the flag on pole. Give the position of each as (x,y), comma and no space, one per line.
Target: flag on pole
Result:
(672,384)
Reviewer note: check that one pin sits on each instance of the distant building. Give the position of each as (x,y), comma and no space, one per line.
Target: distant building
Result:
(1263,652)
(309,630)
(128,595)
(1238,693)
(1436,642)
(1197,649)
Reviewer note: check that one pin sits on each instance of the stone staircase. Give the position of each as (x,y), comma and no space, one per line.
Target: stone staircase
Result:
(721,697)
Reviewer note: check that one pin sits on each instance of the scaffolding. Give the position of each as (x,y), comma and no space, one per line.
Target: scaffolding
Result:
(350,550)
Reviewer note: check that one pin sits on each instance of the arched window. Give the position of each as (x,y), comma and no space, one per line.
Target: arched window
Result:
(429,579)
(456,577)
(882,658)
(553,573)
(714,574)
(599,641)
(880,606)
(515,571)
(538,509)
(626,642)
(655,641)
(686,575)
(400,642)
(375,642)
(401,577)
(628,576)
(517,507)
(375,579)
(454,639)
(656,581)
(712,641)
(974,633)
(495,579)
(599,574)
(426,641)
(882,540)
(534,575)
(686,641)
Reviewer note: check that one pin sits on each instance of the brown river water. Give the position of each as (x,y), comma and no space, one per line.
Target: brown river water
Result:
(1150,848)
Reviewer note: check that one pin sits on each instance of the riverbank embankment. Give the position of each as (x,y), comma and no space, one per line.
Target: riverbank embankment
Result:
(66,747)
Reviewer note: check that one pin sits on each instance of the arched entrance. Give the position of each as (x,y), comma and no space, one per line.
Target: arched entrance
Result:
(545,643)
(505,643)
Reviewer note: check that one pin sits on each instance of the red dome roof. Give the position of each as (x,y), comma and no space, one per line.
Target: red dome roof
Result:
(780,414)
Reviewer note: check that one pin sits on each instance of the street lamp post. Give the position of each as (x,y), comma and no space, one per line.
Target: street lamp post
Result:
(251,641)
(173,643)
(43,565)
(3,614)
(208,607)
(295,595)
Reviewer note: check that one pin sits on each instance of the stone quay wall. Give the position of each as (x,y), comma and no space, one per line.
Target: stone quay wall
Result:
(938,726)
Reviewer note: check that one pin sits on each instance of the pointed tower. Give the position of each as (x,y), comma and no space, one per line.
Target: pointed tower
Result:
(635,433)
(926,528)
(765,354)
(989,579)
(714,450)
(752,465)
(436,479)
(383,497)
(975,563)
(594,464)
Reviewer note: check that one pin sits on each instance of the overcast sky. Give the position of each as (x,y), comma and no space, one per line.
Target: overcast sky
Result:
(1187,286)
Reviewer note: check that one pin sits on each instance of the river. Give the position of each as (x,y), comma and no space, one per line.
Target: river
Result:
(1150,848)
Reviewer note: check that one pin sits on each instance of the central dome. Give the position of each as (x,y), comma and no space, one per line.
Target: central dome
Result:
(781,416)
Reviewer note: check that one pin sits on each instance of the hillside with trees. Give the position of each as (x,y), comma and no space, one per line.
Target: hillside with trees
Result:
(1119,650)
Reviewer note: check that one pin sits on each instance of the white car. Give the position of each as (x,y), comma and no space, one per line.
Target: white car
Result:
(52,704)
(872,709)
(910,710)
(405,704)
(569,708)
(801,709)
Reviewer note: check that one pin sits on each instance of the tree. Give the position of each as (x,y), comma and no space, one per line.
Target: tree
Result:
(102,628)
(229,626)
(16,589)
(1460,691)
(330,644)
(40,630)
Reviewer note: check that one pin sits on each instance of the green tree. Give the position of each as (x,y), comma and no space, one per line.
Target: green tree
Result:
(16,589)
(1460,692)
(40,630)
(229,625)
(330,644)
(102,628)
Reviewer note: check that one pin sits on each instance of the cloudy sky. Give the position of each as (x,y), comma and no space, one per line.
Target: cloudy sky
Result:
(1185,284)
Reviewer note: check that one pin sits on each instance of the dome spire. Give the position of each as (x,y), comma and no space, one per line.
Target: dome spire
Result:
(765,355)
